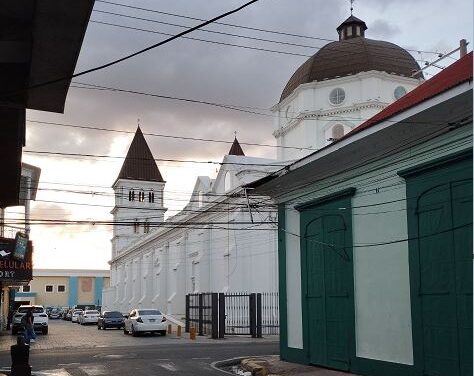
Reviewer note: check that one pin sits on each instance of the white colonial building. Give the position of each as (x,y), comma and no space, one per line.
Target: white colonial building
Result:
(343,84)
(210,246)
(215,244)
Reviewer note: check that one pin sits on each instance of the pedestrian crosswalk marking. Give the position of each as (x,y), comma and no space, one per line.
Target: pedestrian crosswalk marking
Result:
(52,372)
(168,366)
(94,370)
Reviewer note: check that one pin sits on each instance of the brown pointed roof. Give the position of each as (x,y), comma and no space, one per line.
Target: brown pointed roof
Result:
(139,163)
(236,149)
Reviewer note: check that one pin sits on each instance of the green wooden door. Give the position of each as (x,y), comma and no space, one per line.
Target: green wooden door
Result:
(444,221)
(329,290)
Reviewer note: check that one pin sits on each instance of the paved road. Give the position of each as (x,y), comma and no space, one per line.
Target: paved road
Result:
(85,351)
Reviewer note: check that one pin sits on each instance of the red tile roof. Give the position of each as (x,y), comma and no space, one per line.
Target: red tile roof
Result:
(453,75)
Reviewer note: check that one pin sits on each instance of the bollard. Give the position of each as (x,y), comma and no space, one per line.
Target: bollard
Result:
(170,330)
(178,331)
(20,354)
(192,333)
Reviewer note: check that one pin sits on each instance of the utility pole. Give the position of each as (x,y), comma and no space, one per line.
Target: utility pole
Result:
(2,222)
(462,47)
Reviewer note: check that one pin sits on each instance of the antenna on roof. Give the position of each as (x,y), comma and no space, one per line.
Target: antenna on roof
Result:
(352,5)
(235,134)
(138,121)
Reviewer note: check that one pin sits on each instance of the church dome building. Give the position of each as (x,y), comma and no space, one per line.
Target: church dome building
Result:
(341,85)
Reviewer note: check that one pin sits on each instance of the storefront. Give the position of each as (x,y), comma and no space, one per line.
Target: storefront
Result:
(16,269)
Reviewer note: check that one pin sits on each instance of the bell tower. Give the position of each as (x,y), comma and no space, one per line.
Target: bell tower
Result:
(138,196)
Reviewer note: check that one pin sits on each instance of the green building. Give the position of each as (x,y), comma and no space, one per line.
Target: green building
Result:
(375,239)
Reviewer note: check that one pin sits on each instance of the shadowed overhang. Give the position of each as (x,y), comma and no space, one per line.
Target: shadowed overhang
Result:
(40,41)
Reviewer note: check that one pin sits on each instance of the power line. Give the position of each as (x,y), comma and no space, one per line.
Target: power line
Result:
(143,50)
(207,40)
(156,159)
(276,32)
(163,135)
(326,47)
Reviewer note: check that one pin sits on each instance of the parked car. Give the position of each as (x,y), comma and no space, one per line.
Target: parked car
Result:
(145,320)
(75,315)
(110,319)
(40,318)
(55,313)
(89,317)
(68,315)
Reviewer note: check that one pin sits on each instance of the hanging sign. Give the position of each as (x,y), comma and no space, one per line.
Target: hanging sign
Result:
(21,244)
(15,260)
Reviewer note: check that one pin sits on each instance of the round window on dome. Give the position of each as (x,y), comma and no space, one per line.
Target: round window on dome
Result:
(337,96)
(399,92)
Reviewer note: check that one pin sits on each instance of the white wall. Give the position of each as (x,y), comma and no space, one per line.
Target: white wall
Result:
(381,273)
(302,118)
(293,279)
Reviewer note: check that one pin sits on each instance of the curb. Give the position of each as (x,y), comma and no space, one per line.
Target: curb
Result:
(227,363)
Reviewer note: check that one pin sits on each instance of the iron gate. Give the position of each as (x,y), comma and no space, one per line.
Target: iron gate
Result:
(218,314)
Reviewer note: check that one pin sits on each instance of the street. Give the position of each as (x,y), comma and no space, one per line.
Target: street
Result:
(113,353)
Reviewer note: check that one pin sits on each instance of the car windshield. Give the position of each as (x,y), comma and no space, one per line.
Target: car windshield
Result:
(92,312)
(35,309)
(112,314)
(148,312)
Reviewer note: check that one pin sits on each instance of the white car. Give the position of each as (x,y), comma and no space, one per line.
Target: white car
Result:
(145,320)
(75,315)
(89,317)
(40,319)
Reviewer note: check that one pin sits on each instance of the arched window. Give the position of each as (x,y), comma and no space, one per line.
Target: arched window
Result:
(227,183)
(151,197)
(136,226)
(337,132)
(131,196)
(146,227)
(141,196)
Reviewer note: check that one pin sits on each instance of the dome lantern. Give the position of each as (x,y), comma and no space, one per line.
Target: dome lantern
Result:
(352,27)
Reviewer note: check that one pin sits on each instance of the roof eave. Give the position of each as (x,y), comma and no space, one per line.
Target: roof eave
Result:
(59,28)
(264,186)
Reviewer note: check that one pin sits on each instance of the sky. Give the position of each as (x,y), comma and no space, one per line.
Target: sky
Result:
(79,187)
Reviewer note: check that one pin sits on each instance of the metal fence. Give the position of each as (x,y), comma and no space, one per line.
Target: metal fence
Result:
(218,314)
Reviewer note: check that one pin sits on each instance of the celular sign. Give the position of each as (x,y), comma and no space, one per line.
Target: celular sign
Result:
(16,259)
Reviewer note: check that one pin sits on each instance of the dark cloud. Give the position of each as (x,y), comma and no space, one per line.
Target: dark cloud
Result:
(188,69)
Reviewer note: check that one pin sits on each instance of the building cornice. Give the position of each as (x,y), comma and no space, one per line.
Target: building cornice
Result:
(70,273)
(340,81)
(179,217)
(333,112)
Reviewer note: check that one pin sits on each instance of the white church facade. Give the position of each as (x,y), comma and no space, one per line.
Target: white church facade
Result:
(215,244)
(345,83)
(212,245)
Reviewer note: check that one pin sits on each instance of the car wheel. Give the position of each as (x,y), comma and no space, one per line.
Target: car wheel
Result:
(44,331)
(163,332)
(134,333)
(125,331)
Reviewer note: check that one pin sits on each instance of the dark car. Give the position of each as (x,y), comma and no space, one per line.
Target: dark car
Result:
(110,319)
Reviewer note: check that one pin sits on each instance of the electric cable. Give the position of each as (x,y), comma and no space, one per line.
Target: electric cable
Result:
(143,50)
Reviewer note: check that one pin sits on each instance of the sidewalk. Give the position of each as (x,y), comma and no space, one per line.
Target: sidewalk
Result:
(64,334)
(273,366)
